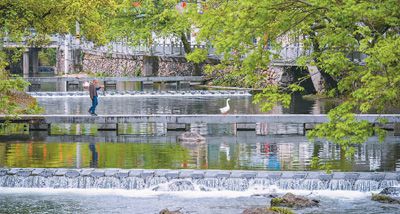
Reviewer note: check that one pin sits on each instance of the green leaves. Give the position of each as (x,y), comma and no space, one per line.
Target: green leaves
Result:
(343,128)
(197,56)
(270,96)
(355,47)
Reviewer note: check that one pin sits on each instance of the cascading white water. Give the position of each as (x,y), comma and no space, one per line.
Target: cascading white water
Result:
(179,181)
(191,93)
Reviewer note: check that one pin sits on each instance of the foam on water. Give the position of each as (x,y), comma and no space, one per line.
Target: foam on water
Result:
(187,194)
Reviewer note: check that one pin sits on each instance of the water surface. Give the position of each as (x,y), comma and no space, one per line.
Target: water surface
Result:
(175,105)
(117,201)
(243,152)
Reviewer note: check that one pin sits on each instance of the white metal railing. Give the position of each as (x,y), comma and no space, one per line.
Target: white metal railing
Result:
(288,53)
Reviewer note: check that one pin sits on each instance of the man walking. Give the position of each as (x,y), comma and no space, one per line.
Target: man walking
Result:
(93,88)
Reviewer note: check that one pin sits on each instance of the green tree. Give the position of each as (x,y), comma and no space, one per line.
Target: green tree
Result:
(139,21)
(334,30)
(33,21)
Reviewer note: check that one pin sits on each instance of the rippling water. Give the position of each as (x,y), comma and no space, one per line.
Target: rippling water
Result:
(174,105)
(114,201)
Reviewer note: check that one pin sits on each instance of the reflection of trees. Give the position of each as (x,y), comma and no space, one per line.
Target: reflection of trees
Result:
(39,155)
(197,153)
(390,156)
(223,155)
(110,155)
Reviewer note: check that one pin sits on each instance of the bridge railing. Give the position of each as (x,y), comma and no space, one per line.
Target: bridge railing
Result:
(288,53)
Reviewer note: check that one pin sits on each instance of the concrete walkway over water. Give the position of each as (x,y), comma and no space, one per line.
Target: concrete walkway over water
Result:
(200,118)
(263,124)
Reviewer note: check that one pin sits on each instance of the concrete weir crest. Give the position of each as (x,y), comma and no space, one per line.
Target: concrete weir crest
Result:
(263,124)
(194,180)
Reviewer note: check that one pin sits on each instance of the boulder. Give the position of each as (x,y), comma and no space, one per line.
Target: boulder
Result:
(291,200)
(166,211)
(384,199)
(191,137)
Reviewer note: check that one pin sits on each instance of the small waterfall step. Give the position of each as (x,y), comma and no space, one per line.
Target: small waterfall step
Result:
(191,93)
(194,180)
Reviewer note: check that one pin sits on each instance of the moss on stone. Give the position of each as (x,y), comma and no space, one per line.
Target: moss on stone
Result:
(276,202)
(281,210)
(384,199)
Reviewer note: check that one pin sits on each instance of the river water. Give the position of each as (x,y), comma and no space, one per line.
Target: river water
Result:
(120,201)
(222,150)
(201,104)
(244,151)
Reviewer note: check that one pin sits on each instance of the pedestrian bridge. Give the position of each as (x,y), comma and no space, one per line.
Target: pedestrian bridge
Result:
(263,124)
(117,79)
(67,82)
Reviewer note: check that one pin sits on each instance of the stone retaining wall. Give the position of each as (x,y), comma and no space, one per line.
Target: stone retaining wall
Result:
(122,65)
(112,65)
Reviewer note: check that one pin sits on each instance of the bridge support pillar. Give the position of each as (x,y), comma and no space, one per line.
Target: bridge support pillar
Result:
(187,127)
(396,129)
(150,66)
(62,86)
(34,52)
(25,63)
(316,78)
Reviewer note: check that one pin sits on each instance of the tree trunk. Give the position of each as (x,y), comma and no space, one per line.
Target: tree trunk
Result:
(186,43)
(329,81)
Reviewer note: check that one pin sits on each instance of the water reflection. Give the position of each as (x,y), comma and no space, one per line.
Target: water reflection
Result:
(94,156)
(235,152)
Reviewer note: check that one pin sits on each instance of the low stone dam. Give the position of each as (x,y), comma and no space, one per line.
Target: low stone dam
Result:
(191,93)
(194,180)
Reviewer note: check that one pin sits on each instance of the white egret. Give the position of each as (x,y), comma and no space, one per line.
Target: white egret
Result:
(225,109)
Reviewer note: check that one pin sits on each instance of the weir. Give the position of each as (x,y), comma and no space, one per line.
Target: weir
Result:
(194,180)
(191,93)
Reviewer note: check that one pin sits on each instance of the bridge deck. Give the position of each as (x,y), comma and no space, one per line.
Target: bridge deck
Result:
(131,79)
(187,119)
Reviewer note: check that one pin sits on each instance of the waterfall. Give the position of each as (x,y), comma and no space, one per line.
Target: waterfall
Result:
(193,180)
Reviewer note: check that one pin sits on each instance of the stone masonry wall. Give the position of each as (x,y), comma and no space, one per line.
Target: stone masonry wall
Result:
(120,65)
(177,66)
(112,65)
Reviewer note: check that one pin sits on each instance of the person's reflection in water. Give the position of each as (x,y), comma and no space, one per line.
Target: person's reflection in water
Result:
(94,159)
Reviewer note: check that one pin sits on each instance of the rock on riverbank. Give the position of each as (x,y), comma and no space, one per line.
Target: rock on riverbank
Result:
(296,201)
